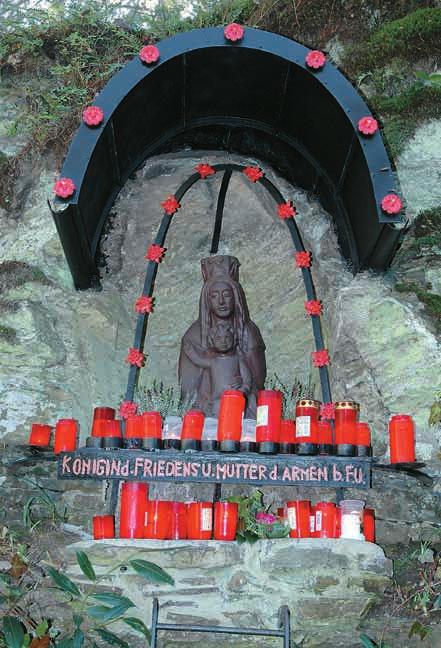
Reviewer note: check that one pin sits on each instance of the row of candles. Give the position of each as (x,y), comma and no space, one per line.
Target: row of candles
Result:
(269,434)
(167,520)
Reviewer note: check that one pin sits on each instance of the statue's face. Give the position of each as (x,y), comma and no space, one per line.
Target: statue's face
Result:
(223,338)
(221,299)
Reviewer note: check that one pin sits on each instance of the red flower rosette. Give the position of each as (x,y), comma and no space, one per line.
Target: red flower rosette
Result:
(327,411)
(234,32)
(144,304)
(149,54)
(127,408)
(64,188)
(315,59)
(170,205)
(253,173)
(391,204)
(93,116)
(286,210)
(313,307)
(367,125)
(136,358)
(205,170)
(320,358)
(303,259)
(154,253)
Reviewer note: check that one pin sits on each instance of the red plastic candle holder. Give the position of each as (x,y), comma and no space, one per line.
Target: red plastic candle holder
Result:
(133,432)
(178,527)
(225,520)
(40,435)
(103,413)
(158,519)
(269,419)
(287,437)
(401,439)
(363,439)
(133,508)
(326,520)
(369,524)
(229,426)
(199,520)
(103,527)
(66,434)
(325,438)
(299,513)
(112,434)
(151,431)
(192,427)
(346,417)
(307,412)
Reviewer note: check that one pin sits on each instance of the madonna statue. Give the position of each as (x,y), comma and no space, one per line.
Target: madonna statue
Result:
(223,349)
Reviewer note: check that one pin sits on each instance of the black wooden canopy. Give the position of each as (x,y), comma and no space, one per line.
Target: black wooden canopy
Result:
(256,97)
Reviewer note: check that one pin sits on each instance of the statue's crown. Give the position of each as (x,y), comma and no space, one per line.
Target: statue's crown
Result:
(220,266)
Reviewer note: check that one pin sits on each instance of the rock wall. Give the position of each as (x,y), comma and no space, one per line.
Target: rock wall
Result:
(327,585)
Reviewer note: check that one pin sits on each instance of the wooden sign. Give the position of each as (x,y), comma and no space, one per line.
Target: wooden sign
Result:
(216,467)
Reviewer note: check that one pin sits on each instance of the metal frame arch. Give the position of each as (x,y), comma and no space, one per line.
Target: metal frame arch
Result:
(99,166)
(160,239)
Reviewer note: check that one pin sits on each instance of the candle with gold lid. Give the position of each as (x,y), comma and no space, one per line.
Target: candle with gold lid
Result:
(307,412)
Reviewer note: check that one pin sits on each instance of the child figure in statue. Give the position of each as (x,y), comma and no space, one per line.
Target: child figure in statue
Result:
(227,365)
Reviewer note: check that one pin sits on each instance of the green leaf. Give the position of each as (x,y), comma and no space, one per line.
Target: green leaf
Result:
(113,599)
(63,582)
(86,565)
(13,632)
(112,639)
(151,571)
(367,641)
(65,643)
(77,619)
(41,629)
(417,628)
(139,626)
(104,613)
(437,603)
(77,639)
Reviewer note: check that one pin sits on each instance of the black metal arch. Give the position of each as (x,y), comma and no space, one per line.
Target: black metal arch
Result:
(160,239)
(256,97)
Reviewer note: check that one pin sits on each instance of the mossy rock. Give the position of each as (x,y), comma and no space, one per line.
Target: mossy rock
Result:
(431,301)
(417,35)
(8,334)
(427,225)
(16,273)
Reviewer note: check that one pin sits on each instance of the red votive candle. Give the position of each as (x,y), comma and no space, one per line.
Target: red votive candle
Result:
(192,427)
(151,431)
(299,513)
(269,418)
(325,438)
(229,426)
(338,522)
(158,519)
(326,520)
(369,524)
(112,434)
(199,520)
(401,439)
(103,527)
(133,432)
(346,417)
(225,520)
(307,412)
(40,435)
(66,433)
(103,413)
(133,507)
(287,437)
(178,530)
(363,438)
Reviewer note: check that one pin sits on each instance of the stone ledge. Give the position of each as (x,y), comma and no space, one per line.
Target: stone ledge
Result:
(327,584)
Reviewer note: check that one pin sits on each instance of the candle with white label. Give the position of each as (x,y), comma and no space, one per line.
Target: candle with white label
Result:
(269,418)
(307,412)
